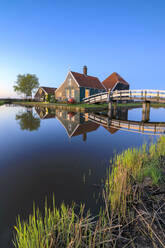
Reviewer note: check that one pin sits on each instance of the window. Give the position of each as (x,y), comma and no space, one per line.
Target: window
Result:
(40,91)
(67,93)
(87,92)
(72,93)
(70,127)
(70,81)
(86,116)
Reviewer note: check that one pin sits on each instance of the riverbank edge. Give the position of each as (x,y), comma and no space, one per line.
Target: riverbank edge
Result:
(82,107)
(2,103)
(65,227)
(69,107)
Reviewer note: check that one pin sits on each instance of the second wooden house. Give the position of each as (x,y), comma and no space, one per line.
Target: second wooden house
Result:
(43,92)
(115,82)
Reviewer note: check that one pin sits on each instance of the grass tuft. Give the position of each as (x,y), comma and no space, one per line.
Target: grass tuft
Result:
(129,169)
(61,228)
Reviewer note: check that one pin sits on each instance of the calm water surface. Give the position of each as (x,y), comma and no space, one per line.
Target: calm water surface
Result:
(45,152)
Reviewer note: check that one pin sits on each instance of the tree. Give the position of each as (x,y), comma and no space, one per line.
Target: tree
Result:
(28,121)
(26,84)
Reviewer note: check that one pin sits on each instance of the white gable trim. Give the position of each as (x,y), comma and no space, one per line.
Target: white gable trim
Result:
(103,86)
(44,90)
(115,85)
(74,79)
(66,128)
(36,92)
(65,80)
(74,131)
(39,89)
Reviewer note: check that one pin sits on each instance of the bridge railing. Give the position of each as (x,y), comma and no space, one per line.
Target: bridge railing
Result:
(145,93)
(96,97)
(119,94)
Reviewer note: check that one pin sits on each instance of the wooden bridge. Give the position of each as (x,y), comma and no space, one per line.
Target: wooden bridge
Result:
(151,128)
(125,95)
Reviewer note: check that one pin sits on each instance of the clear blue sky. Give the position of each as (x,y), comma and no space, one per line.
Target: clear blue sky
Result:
(49,37)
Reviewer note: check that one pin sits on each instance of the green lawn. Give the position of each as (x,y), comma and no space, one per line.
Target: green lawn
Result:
(2,103)
(88,106)
(77,105)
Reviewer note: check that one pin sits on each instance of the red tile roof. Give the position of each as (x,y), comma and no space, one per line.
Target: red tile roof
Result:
(110,81)
(49,90)
(86,127)
(112,130)
(87,81)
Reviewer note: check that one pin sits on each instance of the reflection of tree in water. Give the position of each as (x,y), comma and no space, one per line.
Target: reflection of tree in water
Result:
(28,121)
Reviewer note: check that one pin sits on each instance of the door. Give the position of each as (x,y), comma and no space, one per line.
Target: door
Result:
(87,93)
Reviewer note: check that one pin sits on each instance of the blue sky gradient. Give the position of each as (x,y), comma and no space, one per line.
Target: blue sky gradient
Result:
(49,37)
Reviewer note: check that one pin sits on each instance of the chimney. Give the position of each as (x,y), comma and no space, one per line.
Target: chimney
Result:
(85,70)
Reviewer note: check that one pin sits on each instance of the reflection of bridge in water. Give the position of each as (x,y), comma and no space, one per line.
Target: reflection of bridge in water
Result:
(126,125)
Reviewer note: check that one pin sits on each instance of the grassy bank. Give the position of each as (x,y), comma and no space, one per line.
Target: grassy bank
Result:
(77,107)
(2,103)
(85,106)
(132,215)
(131,168)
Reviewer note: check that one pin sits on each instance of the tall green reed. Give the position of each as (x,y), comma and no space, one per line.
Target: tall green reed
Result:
(129,169)
(61,228)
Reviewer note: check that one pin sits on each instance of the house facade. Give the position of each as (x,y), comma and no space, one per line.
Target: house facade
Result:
(115,82)
(43,92)
(78,86)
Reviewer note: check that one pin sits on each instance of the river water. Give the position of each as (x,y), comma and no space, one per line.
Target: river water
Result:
(45,152)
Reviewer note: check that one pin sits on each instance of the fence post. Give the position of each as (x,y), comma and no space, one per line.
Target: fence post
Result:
(158,96)
(142,94)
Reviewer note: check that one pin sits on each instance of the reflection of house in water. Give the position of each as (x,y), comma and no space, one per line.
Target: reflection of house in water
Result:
(85,128)
(75,124)
(45,113)
(111,130)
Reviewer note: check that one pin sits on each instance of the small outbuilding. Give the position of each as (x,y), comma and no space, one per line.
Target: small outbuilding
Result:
(115,82)
(43,92)
(78,86)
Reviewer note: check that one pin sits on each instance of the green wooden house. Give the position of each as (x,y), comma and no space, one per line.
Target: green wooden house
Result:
(78,86)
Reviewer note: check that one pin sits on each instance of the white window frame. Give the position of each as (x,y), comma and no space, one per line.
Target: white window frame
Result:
(72,93)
